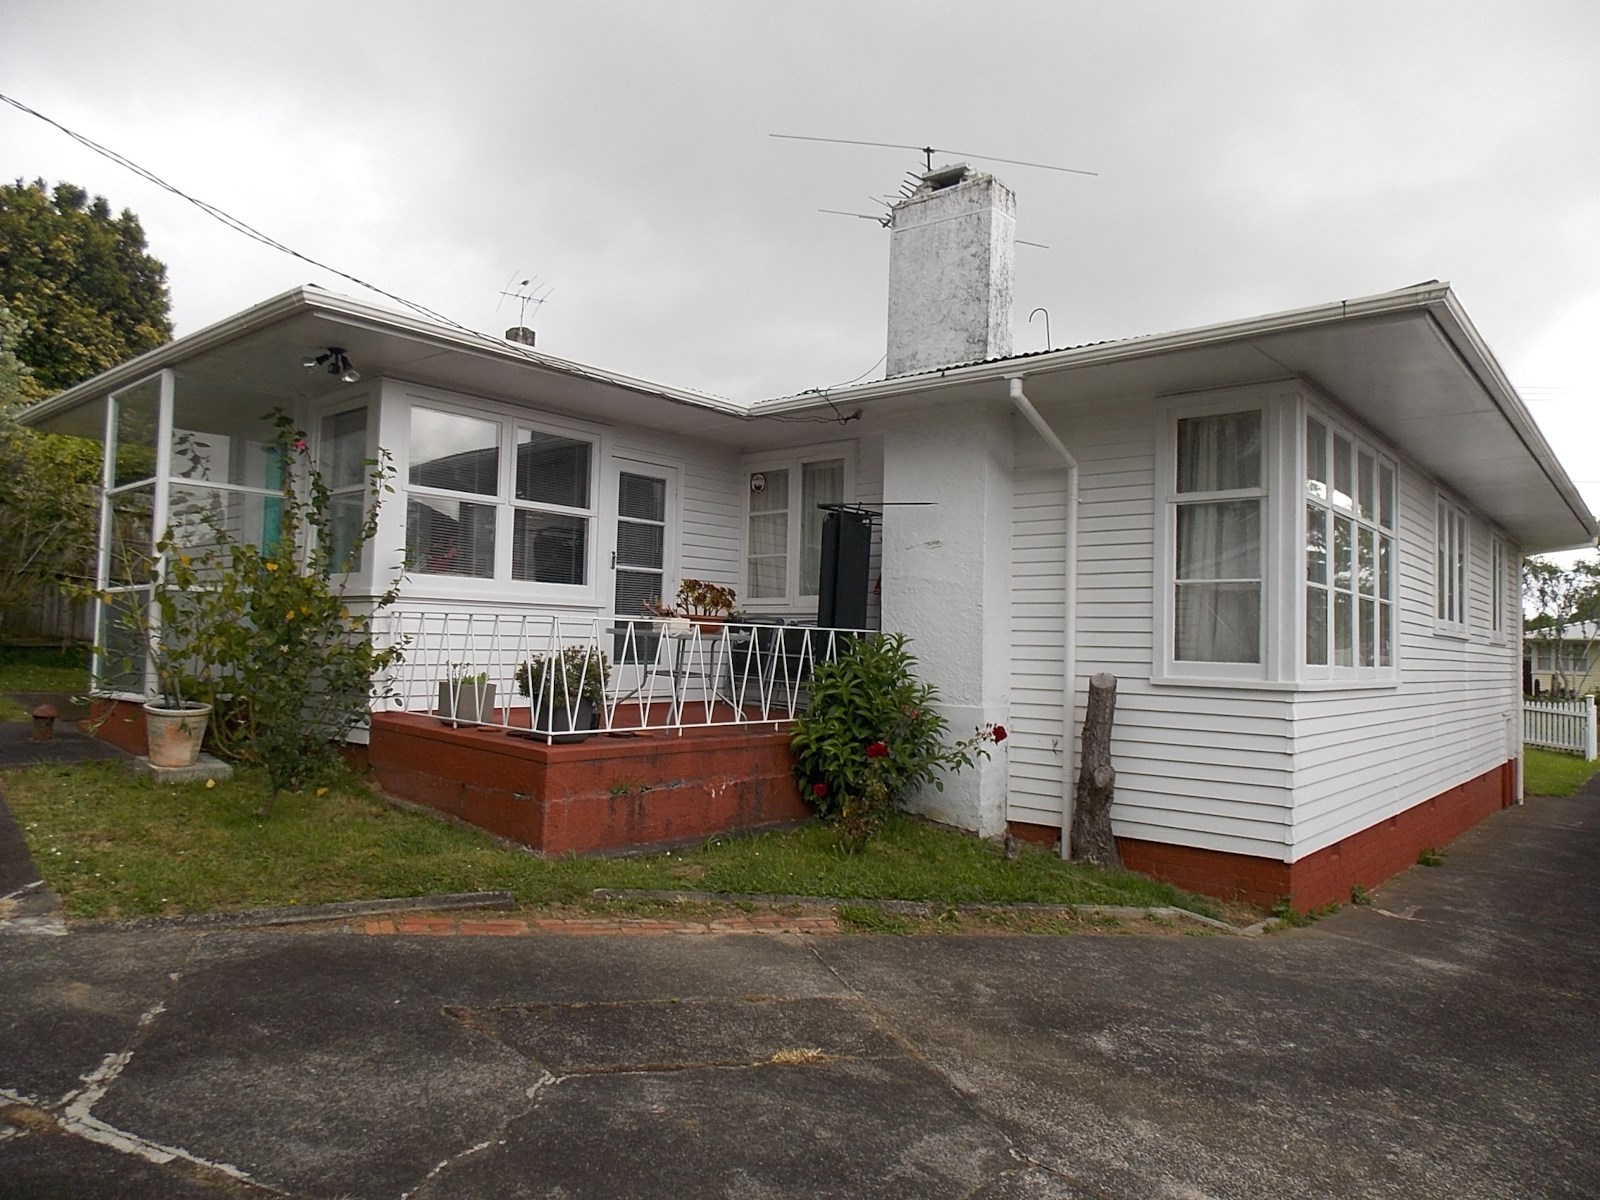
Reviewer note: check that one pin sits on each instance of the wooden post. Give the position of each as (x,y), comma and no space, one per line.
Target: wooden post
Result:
(1091,807)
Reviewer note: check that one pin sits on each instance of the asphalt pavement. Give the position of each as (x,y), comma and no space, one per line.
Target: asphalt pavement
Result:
(1442,1042)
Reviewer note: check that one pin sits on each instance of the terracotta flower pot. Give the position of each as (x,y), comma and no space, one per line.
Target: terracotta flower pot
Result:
(175,734)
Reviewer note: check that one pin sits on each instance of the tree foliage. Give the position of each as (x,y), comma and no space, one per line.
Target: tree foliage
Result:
(1565,607)
(49,497)
(81,281)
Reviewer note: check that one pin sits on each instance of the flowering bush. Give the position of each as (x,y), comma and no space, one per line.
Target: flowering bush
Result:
(871,736)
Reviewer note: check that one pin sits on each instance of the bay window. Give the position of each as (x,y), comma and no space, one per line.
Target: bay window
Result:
(1277,539)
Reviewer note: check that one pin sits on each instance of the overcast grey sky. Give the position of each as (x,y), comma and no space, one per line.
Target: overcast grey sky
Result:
(1252,157)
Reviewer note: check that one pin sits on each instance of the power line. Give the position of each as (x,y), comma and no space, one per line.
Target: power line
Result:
(240,226)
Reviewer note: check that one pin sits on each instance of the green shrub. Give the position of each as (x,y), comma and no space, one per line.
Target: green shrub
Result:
(872,735)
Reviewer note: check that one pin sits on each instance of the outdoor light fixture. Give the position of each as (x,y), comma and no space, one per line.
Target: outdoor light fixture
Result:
(337,362)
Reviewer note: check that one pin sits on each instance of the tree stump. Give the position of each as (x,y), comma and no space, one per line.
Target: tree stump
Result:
(1092,841)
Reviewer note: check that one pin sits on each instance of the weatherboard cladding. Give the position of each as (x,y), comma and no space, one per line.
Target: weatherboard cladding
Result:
(1277,774)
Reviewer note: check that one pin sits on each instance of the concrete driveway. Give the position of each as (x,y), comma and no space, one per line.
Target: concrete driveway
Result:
(1443,1042)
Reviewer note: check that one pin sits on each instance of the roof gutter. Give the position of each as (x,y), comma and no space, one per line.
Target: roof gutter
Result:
(1069,605)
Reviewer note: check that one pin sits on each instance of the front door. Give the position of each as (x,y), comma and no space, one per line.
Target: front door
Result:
(643,556)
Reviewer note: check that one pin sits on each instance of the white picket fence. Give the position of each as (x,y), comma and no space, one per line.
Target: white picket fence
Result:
(1561,725)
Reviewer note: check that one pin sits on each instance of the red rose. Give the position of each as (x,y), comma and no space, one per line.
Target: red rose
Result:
(819,789)
(999,733)
(877,750)
(300,445)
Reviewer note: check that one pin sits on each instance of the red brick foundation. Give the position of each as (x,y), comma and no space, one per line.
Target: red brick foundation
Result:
(603,794)
(120,722)
(1326,877)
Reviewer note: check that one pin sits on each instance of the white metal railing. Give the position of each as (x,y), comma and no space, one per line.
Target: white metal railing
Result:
(1561,725)
(526,673)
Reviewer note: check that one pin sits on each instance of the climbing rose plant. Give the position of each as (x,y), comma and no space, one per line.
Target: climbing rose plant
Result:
(871,736)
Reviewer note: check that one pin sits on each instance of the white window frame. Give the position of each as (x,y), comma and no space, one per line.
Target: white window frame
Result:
(1452,567)
(337,405)
(1361,444)
(501,585)
(1499,561)
(794,461)
(1278,416)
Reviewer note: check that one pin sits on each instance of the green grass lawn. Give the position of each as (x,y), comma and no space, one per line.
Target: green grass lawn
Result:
(114,846)
(1552,773)
(40,669)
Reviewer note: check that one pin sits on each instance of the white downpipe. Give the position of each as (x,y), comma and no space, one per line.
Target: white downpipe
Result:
(1069,616)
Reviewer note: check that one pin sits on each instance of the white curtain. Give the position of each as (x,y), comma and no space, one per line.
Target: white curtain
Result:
(1218,617)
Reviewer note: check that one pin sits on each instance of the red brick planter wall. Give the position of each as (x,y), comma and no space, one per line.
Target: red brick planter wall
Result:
(1326,877)
(599,795)
(120,722)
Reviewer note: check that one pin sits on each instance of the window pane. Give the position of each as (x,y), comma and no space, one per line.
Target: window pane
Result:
(1344,634)
(1220,540)
(132,535)
(1343,470)
(1316,544)
(342,456)
(641,544)
(450,537)
(120,642)
(1369,646)
(820,483)
(1343,551)
(643,497)
(552,469)
(769,491)
(1385,634)
(1218,622)
(137,411)
(455,452)
(766,578)
(346,515)
(1219,453)
(1385,566)
(1367,574)
(1366,487)
(549,548)
(1316,626)
(1385,496)
(1316,459)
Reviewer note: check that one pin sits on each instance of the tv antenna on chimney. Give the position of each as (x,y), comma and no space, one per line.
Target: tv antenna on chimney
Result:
(928,152)
(525,298)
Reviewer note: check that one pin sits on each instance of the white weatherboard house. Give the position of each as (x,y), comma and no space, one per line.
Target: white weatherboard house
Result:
(1293,539)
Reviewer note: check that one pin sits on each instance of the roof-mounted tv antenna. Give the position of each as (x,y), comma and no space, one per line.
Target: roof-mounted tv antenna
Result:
(524,298)
(928,152)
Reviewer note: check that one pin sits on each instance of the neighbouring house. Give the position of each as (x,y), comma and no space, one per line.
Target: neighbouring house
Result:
(1564,662)
(1293,539)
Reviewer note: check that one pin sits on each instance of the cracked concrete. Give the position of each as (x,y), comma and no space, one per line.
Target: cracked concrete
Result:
(1452,1054)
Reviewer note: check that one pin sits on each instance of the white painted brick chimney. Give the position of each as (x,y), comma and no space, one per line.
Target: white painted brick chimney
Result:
(952,263)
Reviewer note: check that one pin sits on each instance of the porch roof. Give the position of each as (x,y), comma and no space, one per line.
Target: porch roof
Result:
(255,358)
(1408,363)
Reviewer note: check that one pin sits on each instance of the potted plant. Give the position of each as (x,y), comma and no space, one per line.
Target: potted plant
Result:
(174,719)
(566,687)
(701,603)
(465,697)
